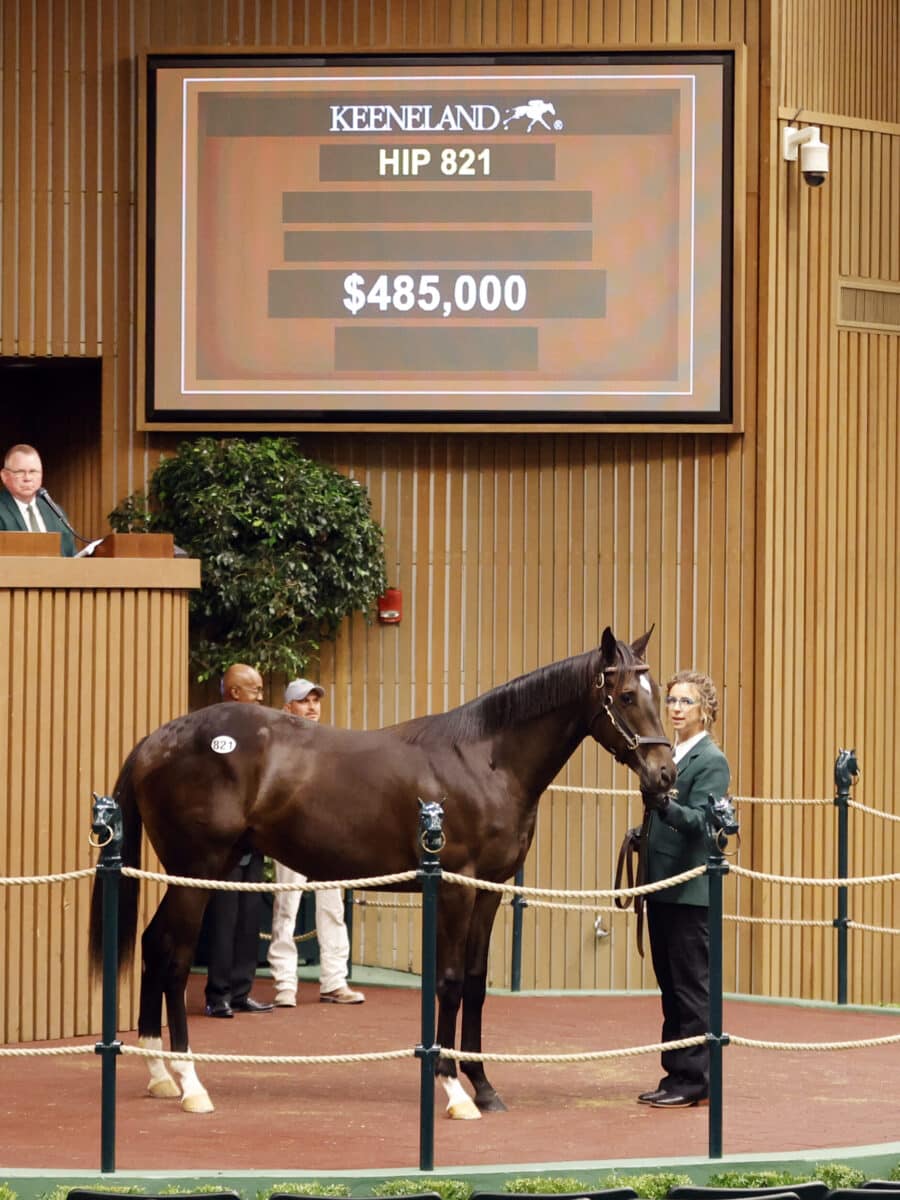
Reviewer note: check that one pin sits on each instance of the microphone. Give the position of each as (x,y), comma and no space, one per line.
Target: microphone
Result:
(44,495)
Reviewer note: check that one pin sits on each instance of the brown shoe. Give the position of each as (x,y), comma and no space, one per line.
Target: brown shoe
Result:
(342,995)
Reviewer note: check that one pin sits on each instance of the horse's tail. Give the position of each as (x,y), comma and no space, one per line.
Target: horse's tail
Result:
(132,830)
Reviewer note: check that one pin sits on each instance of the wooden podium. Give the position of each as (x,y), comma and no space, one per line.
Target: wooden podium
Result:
(28,545)
(136,545)
(94,656)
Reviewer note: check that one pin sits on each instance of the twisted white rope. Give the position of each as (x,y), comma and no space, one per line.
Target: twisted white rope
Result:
(584,1056)
(874,812)
(778,800)
(320,886)
(19,880)
(44,1051)
(860,1044)
(589,791)
(871,928)
(571,894)
(810,924)
(858,881)
(289,1059)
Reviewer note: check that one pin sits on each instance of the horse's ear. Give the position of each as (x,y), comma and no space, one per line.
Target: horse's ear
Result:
(641,644)
(608,645)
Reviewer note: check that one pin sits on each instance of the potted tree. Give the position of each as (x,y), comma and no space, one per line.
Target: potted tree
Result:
(287,546)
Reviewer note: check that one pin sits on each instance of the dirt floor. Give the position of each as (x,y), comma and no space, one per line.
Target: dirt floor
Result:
(362,1117)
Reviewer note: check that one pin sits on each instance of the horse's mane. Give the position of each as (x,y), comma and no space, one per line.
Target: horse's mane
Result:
(522,699)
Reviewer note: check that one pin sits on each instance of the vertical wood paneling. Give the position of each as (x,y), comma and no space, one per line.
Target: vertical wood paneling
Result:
(819,74)
(831,571)
(68,656)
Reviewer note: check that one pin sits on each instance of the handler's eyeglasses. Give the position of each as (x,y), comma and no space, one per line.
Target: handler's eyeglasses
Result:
(680,702)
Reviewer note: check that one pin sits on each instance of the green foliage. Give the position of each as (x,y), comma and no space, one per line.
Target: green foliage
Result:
(654,1185)
(288,548)
(754,1179)
(447,1189)
(305,1189)
(894,1173)
(546,1183)
(6,1192)
(839,1175)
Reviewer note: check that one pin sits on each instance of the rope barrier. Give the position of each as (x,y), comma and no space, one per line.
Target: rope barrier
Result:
(861,1044)
(457,1055)
(225,886)
(300,1060)
(570,894)
(43,1051)
(21,880)
(859,881)
(873,812)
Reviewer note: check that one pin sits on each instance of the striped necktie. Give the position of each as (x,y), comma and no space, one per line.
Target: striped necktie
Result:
(32,518)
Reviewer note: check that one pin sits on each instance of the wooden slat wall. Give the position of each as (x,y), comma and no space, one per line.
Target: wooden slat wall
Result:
(67,655)
(759,556)
(829,571)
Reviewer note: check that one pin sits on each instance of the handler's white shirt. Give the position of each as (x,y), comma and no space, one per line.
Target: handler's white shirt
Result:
(682,748)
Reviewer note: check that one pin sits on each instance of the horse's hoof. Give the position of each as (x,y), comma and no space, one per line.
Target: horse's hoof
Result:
(463,1110)
(163,1089)
(199,1102)
(491,1103)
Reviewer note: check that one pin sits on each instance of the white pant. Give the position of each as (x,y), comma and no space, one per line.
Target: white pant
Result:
(334,944)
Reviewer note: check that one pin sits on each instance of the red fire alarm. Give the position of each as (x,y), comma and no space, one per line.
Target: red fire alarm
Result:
(390,606)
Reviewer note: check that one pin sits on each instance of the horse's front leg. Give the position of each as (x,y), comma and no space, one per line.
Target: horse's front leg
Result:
(474,989)
(454,916)
(168,947)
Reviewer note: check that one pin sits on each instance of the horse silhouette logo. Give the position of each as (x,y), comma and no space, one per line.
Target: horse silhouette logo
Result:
(534,113)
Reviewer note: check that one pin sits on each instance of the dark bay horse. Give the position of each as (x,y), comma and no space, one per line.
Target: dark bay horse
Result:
(339,804)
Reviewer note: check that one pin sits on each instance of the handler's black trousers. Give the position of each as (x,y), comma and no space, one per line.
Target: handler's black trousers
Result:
(679,945)
(233,930)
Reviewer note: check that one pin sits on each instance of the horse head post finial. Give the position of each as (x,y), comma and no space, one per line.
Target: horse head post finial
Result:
(106,827)
(846,771)
(431,826)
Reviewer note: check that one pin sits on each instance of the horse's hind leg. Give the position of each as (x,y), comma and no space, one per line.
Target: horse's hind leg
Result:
(454,914)
(474,989)
(168,947)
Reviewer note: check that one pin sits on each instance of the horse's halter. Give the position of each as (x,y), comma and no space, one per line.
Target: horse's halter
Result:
(620,725)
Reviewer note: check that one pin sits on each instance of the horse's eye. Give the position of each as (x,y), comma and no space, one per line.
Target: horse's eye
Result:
(627,697)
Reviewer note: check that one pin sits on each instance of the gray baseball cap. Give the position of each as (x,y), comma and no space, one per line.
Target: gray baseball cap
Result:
(299,689)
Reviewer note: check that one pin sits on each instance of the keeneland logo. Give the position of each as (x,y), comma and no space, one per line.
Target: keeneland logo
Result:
(430,118)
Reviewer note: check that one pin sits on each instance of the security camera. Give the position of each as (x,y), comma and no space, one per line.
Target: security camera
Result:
(813,152)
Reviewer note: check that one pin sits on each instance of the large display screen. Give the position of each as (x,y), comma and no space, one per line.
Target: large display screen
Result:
(529,240)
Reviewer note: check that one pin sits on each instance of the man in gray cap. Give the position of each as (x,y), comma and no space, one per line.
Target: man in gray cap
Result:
(304,699)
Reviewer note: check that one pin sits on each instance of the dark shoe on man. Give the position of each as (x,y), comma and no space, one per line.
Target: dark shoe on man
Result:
(219,1010)
(652,1097)
(250,1005)
(675,1100)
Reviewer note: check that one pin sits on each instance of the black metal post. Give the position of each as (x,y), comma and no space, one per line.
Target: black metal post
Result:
(431,841)
(720,823)
(846,770)
(106,826)
(519,904)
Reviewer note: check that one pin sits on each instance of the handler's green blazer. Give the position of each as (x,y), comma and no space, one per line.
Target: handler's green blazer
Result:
(676,839)
(11,519)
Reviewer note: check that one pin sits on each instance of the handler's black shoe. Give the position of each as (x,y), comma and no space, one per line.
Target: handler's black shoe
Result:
(652,1097)
(219,1010)
(674,1100)
(250,1005)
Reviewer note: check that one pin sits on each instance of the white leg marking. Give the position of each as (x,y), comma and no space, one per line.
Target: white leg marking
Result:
(161,1085)
(194,1096)
(460,1106)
